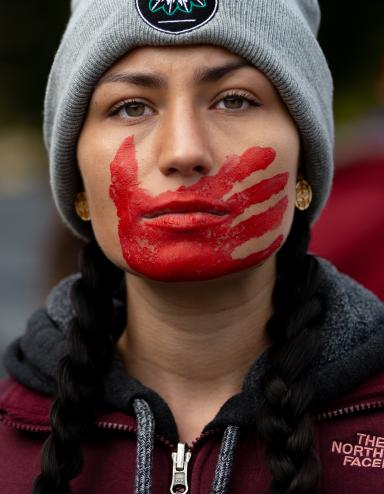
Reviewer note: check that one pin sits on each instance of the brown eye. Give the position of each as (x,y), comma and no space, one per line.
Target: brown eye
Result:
(237,102)
(134,109)
(131,109)
(234,102)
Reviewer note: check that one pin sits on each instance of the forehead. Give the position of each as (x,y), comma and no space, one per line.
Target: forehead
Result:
(185,65)
(175,58)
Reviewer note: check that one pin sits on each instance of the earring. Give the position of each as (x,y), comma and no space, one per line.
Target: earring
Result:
(303,194)
(81,206)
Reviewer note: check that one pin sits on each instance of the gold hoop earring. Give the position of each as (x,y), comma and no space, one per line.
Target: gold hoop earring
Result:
(303,194)
(81,206)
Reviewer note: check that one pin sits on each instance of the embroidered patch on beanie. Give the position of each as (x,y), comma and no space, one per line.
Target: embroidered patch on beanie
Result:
(176,16)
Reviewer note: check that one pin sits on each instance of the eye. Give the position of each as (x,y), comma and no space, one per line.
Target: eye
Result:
(131,109)
(237,101)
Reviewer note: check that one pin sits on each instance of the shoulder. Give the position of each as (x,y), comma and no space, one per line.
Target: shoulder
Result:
(368,396)
(23,409)
(351,332)
(351,314)
(23,429)
(344,294)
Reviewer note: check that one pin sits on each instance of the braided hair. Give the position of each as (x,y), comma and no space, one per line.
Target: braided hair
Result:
(81,371)
(285,427)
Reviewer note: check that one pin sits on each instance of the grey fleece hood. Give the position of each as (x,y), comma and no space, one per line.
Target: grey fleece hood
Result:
(352,349)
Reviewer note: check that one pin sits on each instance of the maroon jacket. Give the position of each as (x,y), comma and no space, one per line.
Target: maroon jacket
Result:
(349,432)
(349,439)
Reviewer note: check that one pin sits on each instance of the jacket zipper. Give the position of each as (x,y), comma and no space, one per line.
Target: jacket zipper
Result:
(25,427)
(180,469)
(337,412)
(100,425)
(180,461)
(360,407)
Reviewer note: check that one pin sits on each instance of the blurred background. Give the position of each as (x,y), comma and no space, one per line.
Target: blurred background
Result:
(35,250)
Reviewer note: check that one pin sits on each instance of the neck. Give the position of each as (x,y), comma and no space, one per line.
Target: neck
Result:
(197,336)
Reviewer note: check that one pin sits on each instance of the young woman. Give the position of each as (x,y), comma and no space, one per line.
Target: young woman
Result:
(200,349)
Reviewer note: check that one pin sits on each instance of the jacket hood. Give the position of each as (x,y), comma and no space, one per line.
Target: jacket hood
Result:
(351,350)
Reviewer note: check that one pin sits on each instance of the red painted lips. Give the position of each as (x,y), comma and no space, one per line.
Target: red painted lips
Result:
(185,213)
(191,233)
(184,203)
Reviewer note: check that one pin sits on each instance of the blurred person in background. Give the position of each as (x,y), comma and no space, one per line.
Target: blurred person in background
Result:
(201,348)
(350,231)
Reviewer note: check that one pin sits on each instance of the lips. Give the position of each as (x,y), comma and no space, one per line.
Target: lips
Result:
(186,222)
(185,206)
(186,213)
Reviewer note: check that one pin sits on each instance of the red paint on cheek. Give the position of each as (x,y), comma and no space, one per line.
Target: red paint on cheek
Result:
(186,247)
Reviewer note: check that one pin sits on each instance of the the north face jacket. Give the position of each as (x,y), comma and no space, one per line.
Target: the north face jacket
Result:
(136,447)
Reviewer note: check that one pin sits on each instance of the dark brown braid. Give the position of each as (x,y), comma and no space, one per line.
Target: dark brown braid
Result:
(80,372)
(286,427)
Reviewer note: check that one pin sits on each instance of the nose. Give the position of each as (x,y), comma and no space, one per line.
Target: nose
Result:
(183,143)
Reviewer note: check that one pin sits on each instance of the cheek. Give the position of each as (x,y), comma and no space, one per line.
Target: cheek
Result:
(105,224)
(277,222)
(96,179)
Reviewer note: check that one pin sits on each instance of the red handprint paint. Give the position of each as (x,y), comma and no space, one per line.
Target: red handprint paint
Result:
(191,233)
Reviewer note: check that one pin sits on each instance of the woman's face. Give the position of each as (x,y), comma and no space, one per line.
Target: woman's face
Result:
(189,161)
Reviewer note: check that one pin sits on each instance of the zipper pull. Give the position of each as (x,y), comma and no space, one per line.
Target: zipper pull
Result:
(180,465)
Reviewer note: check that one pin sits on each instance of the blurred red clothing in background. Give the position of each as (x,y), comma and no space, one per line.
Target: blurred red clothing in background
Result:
(350,231)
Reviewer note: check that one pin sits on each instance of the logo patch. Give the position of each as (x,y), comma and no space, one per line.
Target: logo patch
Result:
(367,451)
(176,16)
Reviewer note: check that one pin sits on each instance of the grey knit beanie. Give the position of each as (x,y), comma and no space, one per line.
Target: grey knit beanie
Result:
(277,36)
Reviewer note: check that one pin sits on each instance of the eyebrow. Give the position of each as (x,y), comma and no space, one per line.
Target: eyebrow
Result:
(214,74)
(154,81)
